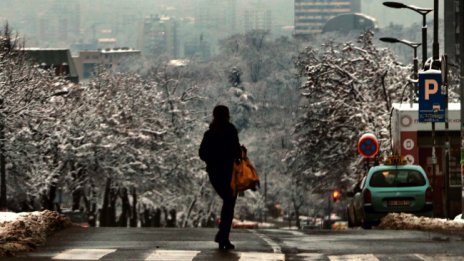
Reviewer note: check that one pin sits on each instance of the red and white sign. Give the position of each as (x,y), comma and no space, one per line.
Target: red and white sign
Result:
(368,145)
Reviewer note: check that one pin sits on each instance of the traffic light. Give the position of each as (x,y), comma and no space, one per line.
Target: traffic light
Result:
(336,195)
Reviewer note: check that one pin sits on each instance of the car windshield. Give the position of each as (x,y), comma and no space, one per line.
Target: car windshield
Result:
(397,178)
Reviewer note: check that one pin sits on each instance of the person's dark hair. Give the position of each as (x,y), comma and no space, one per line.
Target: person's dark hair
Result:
(220,116)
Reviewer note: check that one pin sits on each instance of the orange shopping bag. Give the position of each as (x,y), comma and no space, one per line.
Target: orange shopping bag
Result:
(244,175)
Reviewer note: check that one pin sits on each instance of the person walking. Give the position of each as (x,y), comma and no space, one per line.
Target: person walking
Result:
(219,148)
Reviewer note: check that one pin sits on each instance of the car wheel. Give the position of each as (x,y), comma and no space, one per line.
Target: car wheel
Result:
(350,218)
(366,225)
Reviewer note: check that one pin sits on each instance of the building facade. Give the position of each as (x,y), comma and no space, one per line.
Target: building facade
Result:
(60,23)
(57,59)
(216,15)
(257,19)
(413,140)
(89,61)
(454,9)
(159,36)
(312,15)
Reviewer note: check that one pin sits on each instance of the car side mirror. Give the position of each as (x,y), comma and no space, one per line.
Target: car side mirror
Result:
(350,194)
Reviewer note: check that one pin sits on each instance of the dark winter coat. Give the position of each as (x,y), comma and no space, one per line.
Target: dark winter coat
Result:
(219,148)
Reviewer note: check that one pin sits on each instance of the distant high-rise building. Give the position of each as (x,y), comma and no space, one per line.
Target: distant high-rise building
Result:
(199,49)
(311,15)
(454,9)
(159,36)
(60,22)
(220,15)
(257,19)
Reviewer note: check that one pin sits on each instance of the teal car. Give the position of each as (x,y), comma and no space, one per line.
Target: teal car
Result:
(386,189)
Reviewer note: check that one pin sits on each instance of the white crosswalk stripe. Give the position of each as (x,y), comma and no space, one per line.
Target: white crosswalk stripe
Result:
(310,256)
(174,255)
(365,257)
(439,257)
(257,256)
(83,254)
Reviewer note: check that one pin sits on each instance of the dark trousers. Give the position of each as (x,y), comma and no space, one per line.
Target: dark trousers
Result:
(222,186)
(227,214)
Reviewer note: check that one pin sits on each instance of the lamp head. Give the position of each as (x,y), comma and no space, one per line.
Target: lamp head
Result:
(394,4)
(389,40)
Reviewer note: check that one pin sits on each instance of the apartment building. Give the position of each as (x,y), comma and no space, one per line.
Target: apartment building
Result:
(312,15)
(257,19)
(159,36)
(454,9)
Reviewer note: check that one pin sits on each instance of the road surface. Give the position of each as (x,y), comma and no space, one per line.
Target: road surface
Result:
(156,244)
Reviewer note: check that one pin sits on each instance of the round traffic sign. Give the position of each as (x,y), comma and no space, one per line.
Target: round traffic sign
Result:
(368,145)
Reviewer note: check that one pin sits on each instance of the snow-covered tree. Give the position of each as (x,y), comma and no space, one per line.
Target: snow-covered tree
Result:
(25,95)
(348,91)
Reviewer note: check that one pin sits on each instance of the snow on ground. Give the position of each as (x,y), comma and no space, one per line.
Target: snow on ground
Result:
(403,221)
(25,231)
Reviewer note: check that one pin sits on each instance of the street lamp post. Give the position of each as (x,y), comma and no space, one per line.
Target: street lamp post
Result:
(461,38)
(416,62)
(423,12)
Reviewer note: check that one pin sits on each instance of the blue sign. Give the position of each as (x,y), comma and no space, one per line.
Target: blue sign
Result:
(431,97)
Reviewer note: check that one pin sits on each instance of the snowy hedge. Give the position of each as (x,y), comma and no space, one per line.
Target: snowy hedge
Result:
(26,231)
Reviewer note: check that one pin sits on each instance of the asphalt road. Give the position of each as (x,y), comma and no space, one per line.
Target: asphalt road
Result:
(263,244)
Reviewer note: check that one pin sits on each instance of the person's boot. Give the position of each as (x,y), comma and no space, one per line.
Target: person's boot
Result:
(224,244)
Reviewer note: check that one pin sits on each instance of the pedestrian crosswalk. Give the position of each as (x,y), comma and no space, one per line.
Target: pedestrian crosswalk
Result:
(194,255)
(170,255)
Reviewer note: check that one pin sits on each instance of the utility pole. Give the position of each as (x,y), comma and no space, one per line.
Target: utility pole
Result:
(447,136)
(461,40)
(436,45)
(436,55)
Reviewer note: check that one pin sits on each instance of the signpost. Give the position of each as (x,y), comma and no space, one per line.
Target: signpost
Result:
(432,106)
(368,147)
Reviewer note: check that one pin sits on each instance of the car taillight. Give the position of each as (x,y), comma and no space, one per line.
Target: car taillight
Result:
(429,195)
(367,196)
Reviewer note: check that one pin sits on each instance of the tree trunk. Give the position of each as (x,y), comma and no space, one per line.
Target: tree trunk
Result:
(51,196)
(296,207)
(192,204)
(172,220)
(112,208)
(144,217)
(92,206)
(297,217)
(104,210)
(157,218)
(133,218)
(126,209)
(76,198)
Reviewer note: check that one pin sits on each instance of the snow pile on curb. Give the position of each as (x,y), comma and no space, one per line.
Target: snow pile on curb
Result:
(26,231)
(400,221)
